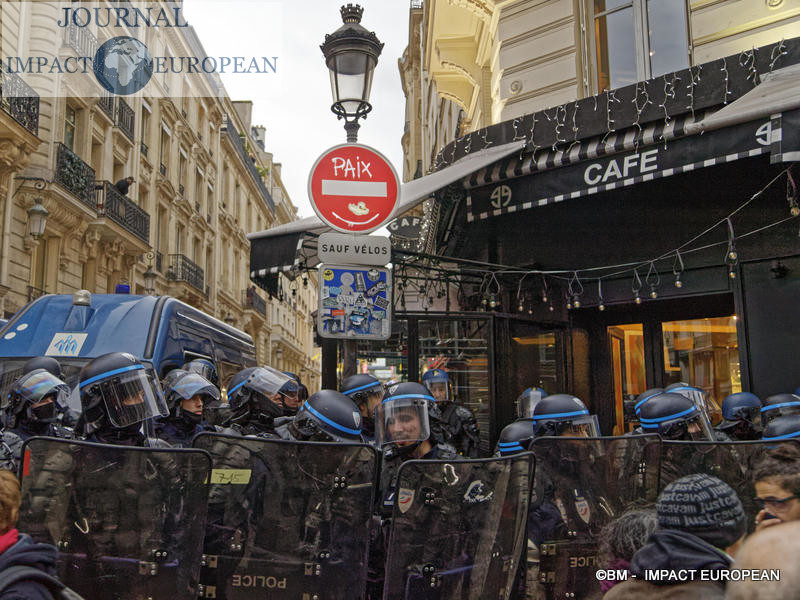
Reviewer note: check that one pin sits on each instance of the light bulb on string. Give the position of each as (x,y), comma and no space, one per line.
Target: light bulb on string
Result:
(601,304)
(653,279)
(492,301)
(636,286)
(791,195)
(677,269)
(574,290)
(576,302)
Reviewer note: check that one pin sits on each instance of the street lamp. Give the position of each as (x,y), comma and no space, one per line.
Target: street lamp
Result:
(37,219)
(150,276)
(351,53)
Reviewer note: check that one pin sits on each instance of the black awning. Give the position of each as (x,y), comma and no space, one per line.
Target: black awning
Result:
(610,162)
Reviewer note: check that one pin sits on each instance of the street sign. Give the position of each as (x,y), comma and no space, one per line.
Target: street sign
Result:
(341,248)
(353,188)
(354,302)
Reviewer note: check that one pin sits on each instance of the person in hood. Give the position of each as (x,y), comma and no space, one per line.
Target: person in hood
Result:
(701,523)
(776,548)
(623,537)
(18,549)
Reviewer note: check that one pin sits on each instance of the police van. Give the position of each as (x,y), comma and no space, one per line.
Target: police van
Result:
(161,331)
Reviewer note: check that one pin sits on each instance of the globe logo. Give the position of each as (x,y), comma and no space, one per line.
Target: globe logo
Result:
(123,65)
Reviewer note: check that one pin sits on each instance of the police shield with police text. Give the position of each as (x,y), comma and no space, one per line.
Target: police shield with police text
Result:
(458,528)
(128,521)
(287,519)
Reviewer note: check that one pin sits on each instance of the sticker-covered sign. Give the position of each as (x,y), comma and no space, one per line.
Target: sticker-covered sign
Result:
(354,302)
(66,344)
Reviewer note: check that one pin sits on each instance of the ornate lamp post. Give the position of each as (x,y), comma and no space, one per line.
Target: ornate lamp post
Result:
(351,53)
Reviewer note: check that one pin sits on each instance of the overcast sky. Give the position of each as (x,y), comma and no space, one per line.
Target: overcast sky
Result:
(294,105)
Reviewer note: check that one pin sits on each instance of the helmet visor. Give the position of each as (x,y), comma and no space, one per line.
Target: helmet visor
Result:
(694,428)
(38,385)
(192,384)
(402,421)
(130,396)
(527,402)
(203,368)
(440,390)
(264,380)
(750,414)
(578,426)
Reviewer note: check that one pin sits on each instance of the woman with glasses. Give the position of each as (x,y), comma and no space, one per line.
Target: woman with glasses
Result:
(777,485)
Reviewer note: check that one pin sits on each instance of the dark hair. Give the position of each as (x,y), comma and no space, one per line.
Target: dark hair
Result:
(622,537)
(781,464)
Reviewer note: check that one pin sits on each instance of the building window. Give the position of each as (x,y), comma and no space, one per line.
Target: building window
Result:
(69,127)
(164,156)
(639,39)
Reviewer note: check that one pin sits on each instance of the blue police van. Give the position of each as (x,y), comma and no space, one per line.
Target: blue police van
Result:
(161,331)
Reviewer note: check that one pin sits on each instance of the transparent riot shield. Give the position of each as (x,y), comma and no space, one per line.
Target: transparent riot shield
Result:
(580,485)
(287,519)
(458,528)
(732,462)
(128,522)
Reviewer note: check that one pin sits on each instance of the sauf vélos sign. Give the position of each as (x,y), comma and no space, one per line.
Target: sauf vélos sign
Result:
(353,188)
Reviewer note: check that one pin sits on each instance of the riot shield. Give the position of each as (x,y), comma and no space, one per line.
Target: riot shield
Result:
(128,522)
(458,528)
(287,519)
(580,485)
(732,462)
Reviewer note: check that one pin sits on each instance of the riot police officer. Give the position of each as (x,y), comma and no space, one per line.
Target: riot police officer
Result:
(782,428)
(698,396)
(327,416)
(779,405)
(515,438)
(675,417)
(188,396)
(528,400)
(367,392)
(205,368)
(451,424)
(741,416)
(564,415)
(48,363)
(31,408)
(117,395)
(256,401)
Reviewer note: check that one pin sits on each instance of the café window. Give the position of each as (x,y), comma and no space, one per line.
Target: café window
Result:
(636,40)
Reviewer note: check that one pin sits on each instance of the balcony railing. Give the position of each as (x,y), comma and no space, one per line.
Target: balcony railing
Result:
(106,103)
(80,39)
(122,210)
(125,118)
(34,293)
(251,299)
(19,100)
(236,141)
(75,176)
(183,269)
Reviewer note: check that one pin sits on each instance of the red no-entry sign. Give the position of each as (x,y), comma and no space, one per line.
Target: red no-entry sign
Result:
(353,188)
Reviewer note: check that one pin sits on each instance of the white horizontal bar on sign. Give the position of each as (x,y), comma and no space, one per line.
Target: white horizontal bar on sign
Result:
(371,189)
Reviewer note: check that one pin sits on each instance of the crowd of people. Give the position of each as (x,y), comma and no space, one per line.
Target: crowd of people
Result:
(698,522)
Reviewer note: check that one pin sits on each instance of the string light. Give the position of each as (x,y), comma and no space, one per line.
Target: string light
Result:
(747,60)
(694,76)
(544,289)
(677,269)
(601,306)
(639,111)
(575,289)
(653,279)
(728,91)
(791,194)
(774,56)
(636,286)
(732,256)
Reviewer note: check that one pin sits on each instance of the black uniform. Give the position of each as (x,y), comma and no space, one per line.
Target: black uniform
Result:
(456,426)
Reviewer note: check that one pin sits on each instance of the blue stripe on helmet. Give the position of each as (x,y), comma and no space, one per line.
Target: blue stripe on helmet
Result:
(511,447)
(236,387)
(417,396)
(507,444)
(577,413)
(334,424)
(785,436)
(363,387)
(643,400)
(110,373)
(781,405)
(668,417)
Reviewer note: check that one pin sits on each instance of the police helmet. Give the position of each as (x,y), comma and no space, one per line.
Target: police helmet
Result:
(252,390)
(564,414)
(515,438)
(780,405)
(117,387)
(185,386)
(362,388)
(438,383)
(38,396)
(528,400)
(205,368)
(402,418)
(782,428)
(741,407)
(674,417)
(48,363)
(290,394)
(327,416)
(705,404)
(644,397)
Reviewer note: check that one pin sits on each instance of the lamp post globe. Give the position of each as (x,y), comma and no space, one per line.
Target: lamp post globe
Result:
(37,219)
(351,54)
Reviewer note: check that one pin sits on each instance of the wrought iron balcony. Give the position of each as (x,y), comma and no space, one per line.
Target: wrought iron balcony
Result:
(125,118)
(236,141)
(183,269)
(106,103)
(122,210)
(251,299)
(80,39)
(34,293)
(19,100)
(75,176)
